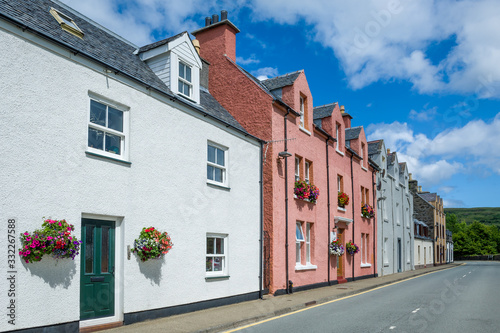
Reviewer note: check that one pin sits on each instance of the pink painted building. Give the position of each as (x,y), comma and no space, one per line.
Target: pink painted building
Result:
(312,146)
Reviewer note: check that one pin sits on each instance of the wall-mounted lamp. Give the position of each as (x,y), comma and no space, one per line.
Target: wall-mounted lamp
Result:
(284,154)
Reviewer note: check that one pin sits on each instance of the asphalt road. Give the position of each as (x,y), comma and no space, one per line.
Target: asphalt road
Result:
(461,299)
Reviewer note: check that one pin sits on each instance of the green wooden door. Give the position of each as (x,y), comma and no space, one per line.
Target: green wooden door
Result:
(97,280)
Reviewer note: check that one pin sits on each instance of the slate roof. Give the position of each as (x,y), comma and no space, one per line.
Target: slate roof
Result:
(375,146)
(352,133)
(160,42)
(281,81)
(103,46)
(429,197)
(213,107)
(323,111)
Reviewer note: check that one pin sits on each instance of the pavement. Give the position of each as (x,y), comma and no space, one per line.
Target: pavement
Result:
(228,317)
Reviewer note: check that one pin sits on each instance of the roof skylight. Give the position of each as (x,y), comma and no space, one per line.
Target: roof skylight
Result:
(66,23)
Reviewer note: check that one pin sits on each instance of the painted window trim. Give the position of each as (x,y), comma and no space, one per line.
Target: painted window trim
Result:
(124,157)
(185,81)
(225,271)
(225,172)
(305,267)
(61,18)
(339,152)
(303,129)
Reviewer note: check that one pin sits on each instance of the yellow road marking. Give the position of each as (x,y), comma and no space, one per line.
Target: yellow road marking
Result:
(335,300)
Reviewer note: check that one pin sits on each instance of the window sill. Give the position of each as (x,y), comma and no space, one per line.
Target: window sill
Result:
(386,264)
(218,185)
(305,267)
(339,152)
(386,220)
(306,200)
(366,265)
(341,209)
(221,277)
(304,130)
(365,169)
(90,153)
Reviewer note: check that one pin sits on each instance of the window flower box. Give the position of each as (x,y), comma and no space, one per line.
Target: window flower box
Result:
(343,199)
(304,191)
(53,239)
(367,211)
(152,244)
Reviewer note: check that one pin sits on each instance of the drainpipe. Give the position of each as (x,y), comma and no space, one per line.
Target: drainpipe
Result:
(353,216)
(394,250)
(261,245)
(374,230)
(328,199)
(286,204)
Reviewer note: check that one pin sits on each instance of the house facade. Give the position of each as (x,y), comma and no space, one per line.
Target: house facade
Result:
(395,211)
(114,138)
(304,147)
(429,209)
(449,246)
(424,245)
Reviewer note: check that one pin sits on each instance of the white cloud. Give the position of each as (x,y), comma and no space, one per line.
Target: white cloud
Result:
(424,114)
(470,148)
(265,73)
(247,61)
(447,189)
(451,203)
(385,40)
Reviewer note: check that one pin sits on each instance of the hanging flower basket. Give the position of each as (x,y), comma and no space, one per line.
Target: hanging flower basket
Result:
(367,211)
(313,193)
(152,244)
(53,239)
(336,248)
(351,248)
(301,190)
(343,199)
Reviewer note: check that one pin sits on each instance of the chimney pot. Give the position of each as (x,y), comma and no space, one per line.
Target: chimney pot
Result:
(215,18)
(388,150)
(420,189)
(223,15)
(411,178)
(342,109)
(208,21)
(196,44)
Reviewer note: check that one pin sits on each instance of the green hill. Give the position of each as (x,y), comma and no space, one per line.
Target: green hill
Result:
(486,215)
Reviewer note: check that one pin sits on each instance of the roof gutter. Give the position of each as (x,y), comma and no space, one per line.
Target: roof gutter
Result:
(117,71)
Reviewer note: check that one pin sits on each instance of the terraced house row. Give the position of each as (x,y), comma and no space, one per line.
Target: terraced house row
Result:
(146,181)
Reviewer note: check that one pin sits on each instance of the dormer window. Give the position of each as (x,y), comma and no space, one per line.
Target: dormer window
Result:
(66,23)
(185,83)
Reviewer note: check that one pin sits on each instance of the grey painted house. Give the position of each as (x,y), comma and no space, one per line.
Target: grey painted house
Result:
(395,231)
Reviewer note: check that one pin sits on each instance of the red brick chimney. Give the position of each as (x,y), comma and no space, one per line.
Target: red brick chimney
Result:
(217,38)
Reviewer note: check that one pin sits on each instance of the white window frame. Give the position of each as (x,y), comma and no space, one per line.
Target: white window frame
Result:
(362,154)
(299,240)
(398,214)
(306,172)
(184,80)
(223,168)
(386,254)
(223,256)
(124,135)
(302,108)
(364,250)
(297,168)
(337,136)
(308,243)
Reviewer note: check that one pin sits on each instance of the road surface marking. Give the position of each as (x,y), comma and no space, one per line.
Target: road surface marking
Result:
(334,300)
(415,311)
(392,327)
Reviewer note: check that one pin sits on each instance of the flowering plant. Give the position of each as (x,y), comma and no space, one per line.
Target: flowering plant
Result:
(343,199)
(301,190)
(336,248)
(351,248)
(54,238)
(152,244)
(367,211)
(313,193)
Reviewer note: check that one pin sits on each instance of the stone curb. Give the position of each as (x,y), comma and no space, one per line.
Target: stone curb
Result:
(233,325)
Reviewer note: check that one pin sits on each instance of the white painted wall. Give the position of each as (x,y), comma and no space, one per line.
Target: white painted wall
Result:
(46,173)
(427,245)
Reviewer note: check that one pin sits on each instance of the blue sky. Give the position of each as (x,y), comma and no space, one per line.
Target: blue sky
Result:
(422,75)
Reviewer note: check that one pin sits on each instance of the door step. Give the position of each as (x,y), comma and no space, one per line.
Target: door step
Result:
(100,327)
(341,279)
